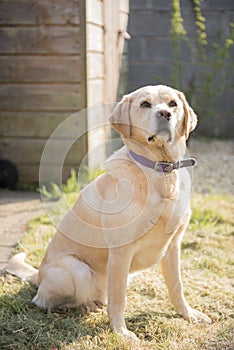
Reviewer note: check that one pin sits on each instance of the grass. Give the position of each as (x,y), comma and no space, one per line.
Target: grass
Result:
(208,274)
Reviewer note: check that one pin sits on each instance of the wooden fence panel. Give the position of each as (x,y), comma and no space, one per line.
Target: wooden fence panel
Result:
(42,81)
(28,12)
(32,97)
(40,69)
(40,40)
(29,173)
(37,124)
(56,57)
(29,151)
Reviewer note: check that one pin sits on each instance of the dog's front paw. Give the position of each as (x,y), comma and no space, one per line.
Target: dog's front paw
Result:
(193,315)
(126,334)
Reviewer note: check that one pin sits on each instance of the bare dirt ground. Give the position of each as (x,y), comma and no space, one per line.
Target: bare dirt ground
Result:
(16,209)
(214,172)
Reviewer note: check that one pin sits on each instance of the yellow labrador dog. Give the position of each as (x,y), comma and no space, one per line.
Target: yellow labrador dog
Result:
(129,218)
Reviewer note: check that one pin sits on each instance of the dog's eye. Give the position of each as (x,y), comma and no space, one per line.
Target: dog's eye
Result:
(172,103)
(146,104)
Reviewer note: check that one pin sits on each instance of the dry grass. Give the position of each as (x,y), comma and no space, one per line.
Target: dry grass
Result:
(207,268)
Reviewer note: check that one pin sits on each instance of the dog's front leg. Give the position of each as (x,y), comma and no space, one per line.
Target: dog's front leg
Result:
(170,266)
(118,267)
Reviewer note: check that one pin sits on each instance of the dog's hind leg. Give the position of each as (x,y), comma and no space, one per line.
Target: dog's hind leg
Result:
(68,283)
(18,267)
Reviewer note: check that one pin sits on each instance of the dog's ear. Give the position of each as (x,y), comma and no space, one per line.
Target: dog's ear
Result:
(120,117)
(190,118)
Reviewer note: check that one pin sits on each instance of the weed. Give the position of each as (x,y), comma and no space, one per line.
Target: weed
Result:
(213,59)
(73,184)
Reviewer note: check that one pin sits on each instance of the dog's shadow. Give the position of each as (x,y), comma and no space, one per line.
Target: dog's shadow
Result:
(147,325)
(52,328)
(29,327)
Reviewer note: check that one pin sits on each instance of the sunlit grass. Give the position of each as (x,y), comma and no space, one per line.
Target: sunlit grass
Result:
(207,270)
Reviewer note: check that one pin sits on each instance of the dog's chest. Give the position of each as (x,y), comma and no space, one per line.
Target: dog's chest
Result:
(150,250)
(167,214)
(169,202)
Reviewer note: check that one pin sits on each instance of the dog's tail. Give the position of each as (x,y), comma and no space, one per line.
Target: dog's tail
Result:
(18,267)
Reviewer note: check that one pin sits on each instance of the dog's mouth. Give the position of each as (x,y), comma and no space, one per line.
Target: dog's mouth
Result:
(164,135)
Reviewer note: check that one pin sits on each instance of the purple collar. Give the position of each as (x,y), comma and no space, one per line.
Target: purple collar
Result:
(163,167)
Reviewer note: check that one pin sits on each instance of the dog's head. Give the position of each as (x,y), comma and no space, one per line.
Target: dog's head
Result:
(154,114)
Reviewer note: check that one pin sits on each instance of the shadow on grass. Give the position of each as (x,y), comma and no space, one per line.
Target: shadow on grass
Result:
(151,325)
(24,326)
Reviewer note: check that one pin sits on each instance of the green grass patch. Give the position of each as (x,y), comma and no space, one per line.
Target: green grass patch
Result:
(207,270)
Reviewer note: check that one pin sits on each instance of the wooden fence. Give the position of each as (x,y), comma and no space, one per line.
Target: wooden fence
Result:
(54,56)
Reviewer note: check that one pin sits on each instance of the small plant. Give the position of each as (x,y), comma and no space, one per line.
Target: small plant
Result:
(178,35)
(214,75)
(200,22)
(52,191)
(87,175)
(73,185)
(205,87)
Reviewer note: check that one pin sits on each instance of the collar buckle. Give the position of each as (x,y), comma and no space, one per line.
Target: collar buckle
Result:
(164,167)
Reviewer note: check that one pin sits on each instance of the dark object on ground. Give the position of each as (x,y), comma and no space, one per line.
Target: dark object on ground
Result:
(9,174)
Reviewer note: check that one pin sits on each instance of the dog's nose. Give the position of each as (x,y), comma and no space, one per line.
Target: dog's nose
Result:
(163,113)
